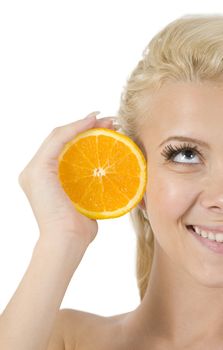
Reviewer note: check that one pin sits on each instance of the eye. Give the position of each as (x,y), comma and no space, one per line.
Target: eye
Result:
(184,154)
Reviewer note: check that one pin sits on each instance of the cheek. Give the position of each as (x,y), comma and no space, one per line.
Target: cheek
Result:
(169,199)
(169,196)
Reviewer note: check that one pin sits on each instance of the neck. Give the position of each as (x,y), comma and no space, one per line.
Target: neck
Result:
(179,310)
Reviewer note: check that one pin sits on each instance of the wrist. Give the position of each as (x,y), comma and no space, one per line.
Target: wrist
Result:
(61,239)
(60,246)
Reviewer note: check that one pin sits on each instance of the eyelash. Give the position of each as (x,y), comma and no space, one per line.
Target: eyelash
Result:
(170,152)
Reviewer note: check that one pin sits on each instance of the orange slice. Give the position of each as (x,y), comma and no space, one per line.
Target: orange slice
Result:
(103,172)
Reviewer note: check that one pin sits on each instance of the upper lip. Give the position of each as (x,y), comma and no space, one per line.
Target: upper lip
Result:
(217,229)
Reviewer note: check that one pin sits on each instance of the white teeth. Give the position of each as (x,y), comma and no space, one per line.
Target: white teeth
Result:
(219,237)
(209,235)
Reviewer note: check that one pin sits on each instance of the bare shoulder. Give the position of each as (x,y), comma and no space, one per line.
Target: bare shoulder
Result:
(79,330)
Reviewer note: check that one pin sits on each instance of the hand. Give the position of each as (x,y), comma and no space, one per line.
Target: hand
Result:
(53,210)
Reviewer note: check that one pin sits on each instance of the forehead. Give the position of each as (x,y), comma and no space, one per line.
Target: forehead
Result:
(185,108)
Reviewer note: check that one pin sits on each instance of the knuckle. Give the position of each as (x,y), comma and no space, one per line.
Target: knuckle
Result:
(56,131)
(22,178)
(25,176)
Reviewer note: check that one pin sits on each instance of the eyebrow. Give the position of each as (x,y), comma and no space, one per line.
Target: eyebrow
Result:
(186,138)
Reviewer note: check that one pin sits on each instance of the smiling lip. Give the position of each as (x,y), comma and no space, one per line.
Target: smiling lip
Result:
(214,229)
(216,247)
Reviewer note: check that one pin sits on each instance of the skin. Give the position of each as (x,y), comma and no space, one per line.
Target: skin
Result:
(183,304)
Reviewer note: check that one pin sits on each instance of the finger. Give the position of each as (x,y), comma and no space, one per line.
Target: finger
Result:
(103,123)
(56,140)
(111,118)
(108,122)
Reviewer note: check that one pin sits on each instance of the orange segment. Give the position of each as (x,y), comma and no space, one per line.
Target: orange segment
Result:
(103,172)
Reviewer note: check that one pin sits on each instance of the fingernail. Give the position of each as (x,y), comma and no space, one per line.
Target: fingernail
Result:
(92,114)
(115,123)
(112,118)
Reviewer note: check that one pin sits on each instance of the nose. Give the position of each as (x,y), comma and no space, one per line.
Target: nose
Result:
(212,196)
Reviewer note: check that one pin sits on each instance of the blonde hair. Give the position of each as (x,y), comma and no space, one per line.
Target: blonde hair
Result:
(189,49)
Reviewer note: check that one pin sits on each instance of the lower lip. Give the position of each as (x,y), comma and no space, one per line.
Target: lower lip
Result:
(214,246)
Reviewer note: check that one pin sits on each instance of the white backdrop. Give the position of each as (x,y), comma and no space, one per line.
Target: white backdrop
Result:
(59,61)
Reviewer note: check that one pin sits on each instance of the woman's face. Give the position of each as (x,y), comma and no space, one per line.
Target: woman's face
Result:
(187,190)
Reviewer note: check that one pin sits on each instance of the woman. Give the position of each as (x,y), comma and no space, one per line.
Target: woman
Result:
(172,107)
